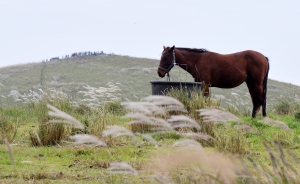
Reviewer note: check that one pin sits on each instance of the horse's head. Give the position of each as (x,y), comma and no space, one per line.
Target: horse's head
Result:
(167,61)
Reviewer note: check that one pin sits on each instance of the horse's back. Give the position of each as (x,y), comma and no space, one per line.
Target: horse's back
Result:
(230,70)
(244,60)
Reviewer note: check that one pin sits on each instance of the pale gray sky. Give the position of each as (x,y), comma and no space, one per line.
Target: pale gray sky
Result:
(34,30)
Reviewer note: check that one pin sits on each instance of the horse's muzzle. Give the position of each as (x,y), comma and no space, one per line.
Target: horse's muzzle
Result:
(161,73)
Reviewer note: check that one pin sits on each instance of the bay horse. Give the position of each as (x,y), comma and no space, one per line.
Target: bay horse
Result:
(223,71)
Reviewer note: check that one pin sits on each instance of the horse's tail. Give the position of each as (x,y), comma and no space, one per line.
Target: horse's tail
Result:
(265,90)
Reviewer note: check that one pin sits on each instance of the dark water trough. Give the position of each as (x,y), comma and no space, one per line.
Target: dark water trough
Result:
(163,87)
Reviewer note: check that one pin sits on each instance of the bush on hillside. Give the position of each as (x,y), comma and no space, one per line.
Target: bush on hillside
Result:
(193,101)
(49,134)
(297,116)
(287,106)
(115,108)
(283,107)
(8,129)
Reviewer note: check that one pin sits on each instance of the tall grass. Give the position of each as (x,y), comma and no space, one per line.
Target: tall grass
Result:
(8,128)
(8,132)
(95,109)
(48,134)
(193,101)
(287,106)
(196,121)
(193,165)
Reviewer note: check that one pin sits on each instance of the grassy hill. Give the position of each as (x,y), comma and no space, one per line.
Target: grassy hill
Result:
(133,76)
(42,144)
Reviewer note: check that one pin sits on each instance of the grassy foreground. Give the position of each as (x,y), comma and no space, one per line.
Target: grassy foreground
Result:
(186,146)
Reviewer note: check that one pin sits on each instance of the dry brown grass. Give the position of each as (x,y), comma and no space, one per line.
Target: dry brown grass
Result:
(195,165)
(190,164)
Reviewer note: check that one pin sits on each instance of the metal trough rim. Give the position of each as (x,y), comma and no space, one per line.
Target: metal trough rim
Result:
(173,82)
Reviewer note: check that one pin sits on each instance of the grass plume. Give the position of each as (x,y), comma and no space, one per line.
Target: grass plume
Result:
(66,118)
(87,139)
(168,103)
(181,121)
(217,116)
(121,168)
(116,131)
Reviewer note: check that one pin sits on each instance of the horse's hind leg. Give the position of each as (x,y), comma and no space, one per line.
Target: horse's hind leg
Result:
(264,102)
(264,109)
(261,97)
(256,100)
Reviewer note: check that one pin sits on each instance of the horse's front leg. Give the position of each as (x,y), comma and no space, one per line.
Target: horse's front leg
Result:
(205,89)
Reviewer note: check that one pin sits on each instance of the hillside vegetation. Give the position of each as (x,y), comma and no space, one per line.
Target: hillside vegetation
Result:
(132,75)
(91,120)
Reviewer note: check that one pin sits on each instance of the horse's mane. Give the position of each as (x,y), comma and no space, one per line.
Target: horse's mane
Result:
(192,49)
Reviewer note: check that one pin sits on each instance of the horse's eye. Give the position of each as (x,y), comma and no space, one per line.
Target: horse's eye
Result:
(165,58)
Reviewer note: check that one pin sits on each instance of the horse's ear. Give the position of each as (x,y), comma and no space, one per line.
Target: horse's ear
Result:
(164,47)
(173,47)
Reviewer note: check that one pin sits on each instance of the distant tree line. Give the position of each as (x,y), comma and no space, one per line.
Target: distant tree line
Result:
(78,54)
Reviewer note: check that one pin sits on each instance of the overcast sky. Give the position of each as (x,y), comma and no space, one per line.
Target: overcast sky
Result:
(35,30)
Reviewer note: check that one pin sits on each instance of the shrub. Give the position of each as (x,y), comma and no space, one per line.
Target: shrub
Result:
(193,101)
(95,124)
(83,109)
(297,116)
(287,106)
(8,129)
(49,134)
(239,111)
(283,107)
(114,108)
(230,140)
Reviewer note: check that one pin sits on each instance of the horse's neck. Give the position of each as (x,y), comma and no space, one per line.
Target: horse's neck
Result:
(183,62)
